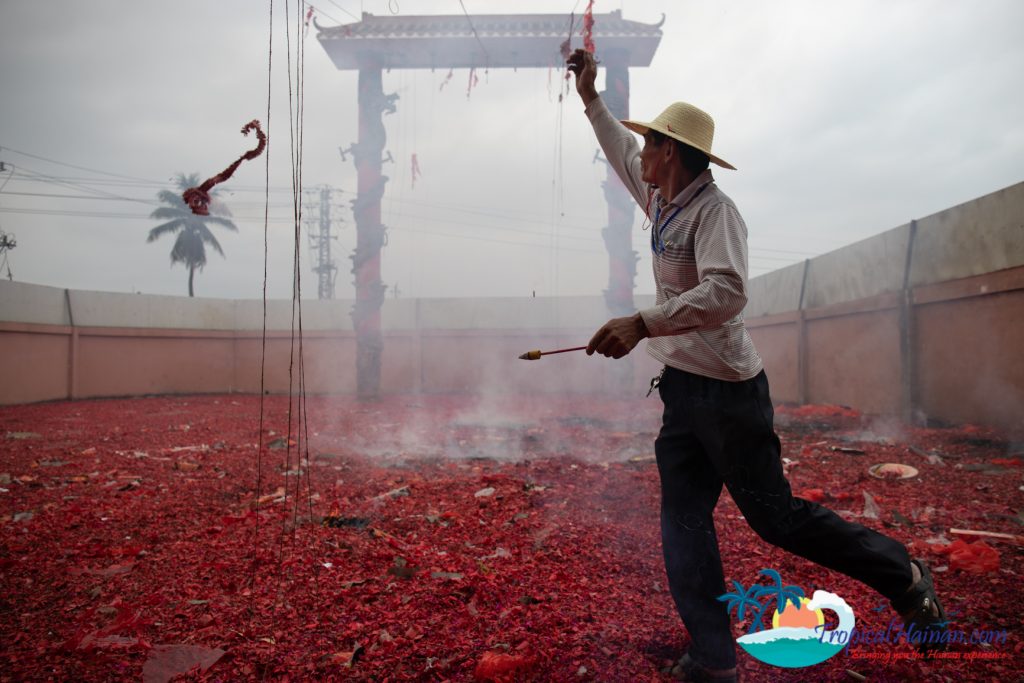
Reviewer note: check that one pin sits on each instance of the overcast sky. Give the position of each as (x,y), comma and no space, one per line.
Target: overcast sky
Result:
(845,119)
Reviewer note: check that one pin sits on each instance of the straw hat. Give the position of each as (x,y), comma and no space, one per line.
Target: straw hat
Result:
(686,123)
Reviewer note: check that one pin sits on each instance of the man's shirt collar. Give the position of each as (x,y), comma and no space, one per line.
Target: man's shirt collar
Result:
(693,188)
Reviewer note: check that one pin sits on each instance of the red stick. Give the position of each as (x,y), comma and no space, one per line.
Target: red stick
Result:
(575,348)
(535,355)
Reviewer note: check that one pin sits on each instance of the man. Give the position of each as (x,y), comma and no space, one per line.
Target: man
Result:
(717,422)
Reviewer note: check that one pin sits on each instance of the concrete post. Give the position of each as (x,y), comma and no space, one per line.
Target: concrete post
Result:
(72,350)
(801,341)
(908,369)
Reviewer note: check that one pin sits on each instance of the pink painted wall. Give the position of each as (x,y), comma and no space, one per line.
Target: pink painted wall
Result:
(966,357)
(37,362)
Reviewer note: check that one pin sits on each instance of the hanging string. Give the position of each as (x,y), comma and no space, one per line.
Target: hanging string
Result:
(558,180)
(487,56)
(302,449)
(415,136)
(303,432)
(263,346)
(297,416)
(296,207)
(301,423)
(558,194)
(309,16)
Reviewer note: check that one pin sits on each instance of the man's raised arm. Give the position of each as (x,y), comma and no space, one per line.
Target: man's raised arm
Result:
(619,144)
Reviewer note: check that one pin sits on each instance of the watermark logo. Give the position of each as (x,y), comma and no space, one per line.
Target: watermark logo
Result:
(798,636)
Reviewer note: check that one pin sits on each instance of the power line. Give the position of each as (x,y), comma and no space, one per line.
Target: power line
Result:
(10,174)
(475,34)
(343,10)
(71,196)
(309,4)
(160,185)
(418,231)
(62,163)
(30,175)
(289,221)
(42,177)
(523,217)
(505,216)
(118,199)
(135,181)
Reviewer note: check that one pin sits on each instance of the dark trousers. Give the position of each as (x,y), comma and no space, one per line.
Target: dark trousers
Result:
(713,433)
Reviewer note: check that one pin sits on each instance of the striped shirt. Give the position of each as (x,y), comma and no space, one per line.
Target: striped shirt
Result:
(699,241)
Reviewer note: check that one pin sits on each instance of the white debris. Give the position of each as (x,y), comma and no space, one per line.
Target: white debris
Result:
(871,508)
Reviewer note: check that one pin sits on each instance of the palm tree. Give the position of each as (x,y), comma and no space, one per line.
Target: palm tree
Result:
(193,231)
(779,594)
(741,599)
(744,597)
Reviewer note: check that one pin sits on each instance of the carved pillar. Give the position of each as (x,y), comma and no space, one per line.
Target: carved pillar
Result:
(370,233)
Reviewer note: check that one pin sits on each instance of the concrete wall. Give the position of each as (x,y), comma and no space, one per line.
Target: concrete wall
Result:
(75,344)
(921,320)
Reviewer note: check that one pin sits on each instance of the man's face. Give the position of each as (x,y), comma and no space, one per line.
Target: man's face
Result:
(650,159)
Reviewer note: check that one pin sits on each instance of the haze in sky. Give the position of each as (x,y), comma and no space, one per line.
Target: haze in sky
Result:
(844,120)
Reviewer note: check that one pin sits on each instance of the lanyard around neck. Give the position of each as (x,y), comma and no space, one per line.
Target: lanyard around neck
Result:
(657,243)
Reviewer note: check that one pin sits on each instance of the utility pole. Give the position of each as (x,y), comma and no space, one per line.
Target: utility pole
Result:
(319,231)
(7,242)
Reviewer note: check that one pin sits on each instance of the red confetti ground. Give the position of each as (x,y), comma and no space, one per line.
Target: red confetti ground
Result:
(442,542)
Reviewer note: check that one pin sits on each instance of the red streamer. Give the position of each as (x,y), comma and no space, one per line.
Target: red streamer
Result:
(451,72)
(588,28)
(415,169)
(309,15)
(198,198)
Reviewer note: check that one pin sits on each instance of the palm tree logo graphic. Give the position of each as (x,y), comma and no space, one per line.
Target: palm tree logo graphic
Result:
(798,637)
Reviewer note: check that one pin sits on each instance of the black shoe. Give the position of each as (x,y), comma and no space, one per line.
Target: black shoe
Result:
(688,670)
(916,608)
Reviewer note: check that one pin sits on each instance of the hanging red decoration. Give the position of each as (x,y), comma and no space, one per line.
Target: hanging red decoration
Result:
(415,169)
(588,28)
(451,72)
(198,198)
(309,16)
(473,81)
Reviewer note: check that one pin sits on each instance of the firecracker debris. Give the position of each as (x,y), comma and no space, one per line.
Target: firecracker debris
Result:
(444,538)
